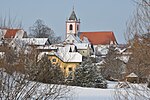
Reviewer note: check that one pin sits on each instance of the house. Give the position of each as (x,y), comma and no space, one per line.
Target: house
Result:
(19,43)
(6,33)
(84,49)
(67,61)
(65,56)
(132,77)
(35,41)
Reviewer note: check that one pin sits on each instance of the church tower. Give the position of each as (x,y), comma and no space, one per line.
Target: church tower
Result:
(72,25)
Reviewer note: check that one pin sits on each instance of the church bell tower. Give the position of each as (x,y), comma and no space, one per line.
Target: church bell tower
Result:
(72,25)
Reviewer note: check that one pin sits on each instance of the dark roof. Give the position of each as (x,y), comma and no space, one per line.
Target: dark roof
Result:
(73,16)
(97,38)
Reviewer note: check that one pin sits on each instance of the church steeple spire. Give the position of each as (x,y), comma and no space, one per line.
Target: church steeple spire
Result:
(73,16)
(72,24)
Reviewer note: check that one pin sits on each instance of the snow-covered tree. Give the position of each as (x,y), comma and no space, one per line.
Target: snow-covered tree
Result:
(86,75)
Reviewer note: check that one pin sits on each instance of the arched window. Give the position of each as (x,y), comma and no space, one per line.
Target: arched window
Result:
(71,27)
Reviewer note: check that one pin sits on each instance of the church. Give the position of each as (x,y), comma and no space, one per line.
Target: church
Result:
(97,40)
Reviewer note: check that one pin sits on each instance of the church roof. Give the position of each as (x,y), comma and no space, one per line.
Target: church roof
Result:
(73,16)
(102,38)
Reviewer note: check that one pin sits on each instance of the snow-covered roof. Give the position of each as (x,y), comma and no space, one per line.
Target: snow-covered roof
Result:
(81,45)
(20,34)
(51,47)
(70,57)
(72,39)
(66,48)
(33,41)
(65,57)
(102,49)
(85,40)
(132,75)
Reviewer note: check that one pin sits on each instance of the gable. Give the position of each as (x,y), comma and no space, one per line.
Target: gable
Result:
(72,39)
(99,38)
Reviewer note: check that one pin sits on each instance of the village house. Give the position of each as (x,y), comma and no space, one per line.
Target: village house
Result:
(67,58)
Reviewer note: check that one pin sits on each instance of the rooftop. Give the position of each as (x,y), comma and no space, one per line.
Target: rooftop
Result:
(10,33)
(102,37)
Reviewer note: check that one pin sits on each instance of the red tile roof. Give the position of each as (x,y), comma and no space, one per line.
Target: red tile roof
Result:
(97,38)
(10,33)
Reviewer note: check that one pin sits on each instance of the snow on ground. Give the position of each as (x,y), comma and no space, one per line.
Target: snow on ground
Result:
(93,94)
(81,93)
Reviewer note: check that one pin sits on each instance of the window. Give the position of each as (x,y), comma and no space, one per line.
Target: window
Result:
(71,27)
(77,27)
(64,68)
(54,60)
(70,69)
(70,74)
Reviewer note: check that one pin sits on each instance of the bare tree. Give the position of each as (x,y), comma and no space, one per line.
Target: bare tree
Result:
(138,37)
(22,74)
(9,22)
(40,30)
(112,66)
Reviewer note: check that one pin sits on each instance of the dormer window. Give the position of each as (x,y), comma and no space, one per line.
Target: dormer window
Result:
(71,27)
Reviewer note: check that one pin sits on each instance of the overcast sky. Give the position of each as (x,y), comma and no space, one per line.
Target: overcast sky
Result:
(95,15)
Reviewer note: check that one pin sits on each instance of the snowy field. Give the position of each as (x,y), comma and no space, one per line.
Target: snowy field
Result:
(95,93)
(81,93)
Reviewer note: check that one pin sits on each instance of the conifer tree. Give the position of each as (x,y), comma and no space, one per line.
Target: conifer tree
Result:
(87,75)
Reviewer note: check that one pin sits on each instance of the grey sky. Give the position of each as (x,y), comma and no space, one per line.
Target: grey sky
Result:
(95,15)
